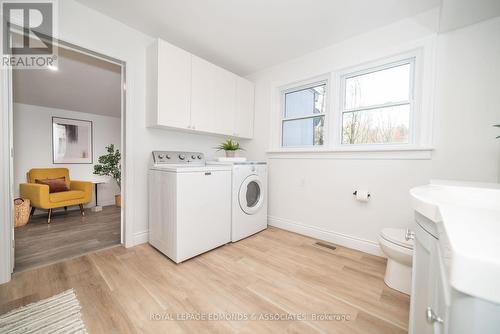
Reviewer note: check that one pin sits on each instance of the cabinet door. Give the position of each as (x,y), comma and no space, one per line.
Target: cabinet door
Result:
(243,125)
(174,86)
(202,95)
(422,282)
(441,295)
(225,101)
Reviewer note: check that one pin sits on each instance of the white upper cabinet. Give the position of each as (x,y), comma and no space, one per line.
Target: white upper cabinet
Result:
(186,92)
(202,95)
(225,101)
(170,70)
(243,118)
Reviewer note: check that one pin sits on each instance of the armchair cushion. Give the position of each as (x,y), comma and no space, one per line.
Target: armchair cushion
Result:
(69,195)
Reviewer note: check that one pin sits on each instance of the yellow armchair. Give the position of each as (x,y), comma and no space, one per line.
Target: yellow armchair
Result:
(79,193)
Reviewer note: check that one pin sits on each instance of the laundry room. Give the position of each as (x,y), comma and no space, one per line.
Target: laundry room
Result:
(264,166)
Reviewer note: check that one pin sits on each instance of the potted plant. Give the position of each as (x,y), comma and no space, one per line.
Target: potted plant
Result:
(230,147)
(109,165)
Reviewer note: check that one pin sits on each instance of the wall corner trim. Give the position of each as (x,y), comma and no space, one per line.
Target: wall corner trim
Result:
(340,239)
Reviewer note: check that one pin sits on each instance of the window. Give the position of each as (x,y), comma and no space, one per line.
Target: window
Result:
(376,104)
(303,115)
(381,109)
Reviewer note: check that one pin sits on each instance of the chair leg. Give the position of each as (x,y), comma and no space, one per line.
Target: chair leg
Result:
(50,215)
(81,210)
(32,211)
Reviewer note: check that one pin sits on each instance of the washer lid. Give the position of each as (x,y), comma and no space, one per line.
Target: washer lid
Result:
(396,236)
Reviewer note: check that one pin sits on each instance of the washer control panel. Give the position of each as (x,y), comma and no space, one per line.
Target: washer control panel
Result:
(177,157)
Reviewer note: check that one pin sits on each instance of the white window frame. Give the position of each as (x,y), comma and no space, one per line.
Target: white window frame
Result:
(419,144)
(411,102)
(296,88)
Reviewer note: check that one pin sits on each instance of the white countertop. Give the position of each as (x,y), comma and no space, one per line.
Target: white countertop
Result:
(470,217)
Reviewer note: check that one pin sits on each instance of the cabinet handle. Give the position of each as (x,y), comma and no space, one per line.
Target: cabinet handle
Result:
(431,316)
(409,235)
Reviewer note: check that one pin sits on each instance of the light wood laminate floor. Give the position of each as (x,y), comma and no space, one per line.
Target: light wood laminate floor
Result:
(274,274)
(68,235)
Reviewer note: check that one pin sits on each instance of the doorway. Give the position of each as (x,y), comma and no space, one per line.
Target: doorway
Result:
(64,120)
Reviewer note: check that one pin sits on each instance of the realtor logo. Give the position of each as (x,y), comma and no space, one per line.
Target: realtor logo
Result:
(28,32)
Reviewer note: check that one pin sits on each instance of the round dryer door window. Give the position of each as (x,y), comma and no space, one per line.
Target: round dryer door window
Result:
(251,195)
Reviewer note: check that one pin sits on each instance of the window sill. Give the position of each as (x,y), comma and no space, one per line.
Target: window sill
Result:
(355,153)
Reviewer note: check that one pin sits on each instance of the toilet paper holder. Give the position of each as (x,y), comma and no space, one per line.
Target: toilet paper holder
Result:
(356,192)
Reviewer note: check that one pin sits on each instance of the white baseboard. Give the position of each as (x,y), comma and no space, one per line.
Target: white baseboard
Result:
(363,245)
(141,237)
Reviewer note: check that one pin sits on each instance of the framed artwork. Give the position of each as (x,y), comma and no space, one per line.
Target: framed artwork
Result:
(71,141)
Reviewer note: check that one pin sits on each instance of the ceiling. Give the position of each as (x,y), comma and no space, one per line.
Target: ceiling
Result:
(80,83)
(456,14)
(245,36)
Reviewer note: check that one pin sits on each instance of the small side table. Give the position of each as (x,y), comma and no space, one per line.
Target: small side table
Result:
(97,207)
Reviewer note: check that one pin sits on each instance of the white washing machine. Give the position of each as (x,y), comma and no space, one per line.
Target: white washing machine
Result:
(189,204)
(249,198)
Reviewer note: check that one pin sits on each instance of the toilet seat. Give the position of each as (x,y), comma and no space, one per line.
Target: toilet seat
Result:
(396,236)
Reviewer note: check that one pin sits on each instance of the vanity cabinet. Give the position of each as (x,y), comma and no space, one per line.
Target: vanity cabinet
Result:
(186,92)
(436,307)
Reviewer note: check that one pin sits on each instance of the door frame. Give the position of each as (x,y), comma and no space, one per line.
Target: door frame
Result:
(6,157)
(6,205)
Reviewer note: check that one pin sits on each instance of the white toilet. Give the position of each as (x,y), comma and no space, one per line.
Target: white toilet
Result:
(397,244)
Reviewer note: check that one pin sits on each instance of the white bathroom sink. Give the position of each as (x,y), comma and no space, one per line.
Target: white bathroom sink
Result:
(469,215)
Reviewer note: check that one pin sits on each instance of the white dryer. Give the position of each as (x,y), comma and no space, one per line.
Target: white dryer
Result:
(249,198)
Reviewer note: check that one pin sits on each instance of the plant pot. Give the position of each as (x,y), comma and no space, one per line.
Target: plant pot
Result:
(118,200)
(230,154)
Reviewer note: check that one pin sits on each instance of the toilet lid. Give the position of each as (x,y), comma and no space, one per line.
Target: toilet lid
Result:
(397,236)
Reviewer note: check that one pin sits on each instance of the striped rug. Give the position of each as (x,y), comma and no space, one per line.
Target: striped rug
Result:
(57,314)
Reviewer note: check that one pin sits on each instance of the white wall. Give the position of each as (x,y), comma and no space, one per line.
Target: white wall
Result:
(468,103)
(33,145)
(314,196)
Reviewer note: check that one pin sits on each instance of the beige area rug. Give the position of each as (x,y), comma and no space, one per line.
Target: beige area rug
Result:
(57,314)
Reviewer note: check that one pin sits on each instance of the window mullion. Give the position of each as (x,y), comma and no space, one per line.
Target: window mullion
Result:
(378,106)
(302,117)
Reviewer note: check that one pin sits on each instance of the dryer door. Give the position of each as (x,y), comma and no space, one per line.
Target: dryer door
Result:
(251,195)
